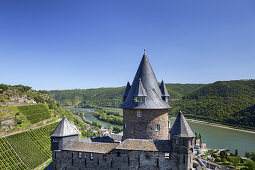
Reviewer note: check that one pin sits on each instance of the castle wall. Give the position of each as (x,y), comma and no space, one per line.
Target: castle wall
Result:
(144,127)
(119,160)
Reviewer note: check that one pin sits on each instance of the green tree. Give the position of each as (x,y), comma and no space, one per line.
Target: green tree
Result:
(236,153)
(109,126)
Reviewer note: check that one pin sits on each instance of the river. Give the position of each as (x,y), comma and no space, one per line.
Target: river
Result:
(214,137)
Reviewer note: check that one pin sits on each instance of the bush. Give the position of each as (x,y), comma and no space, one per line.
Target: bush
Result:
(217,159)
(116,129)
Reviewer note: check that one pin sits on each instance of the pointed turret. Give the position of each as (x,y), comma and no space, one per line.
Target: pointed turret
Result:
(181,128)
(63,133)
(126,91)
(164,92)
(64,128)
(145,78)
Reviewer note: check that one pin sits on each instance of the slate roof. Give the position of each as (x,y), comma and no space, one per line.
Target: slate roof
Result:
(145,145)
(181,128)
(93,147)
(150,84)
(127,90)
(65,128)
(163,89)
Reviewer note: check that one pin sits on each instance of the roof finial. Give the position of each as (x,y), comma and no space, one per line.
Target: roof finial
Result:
(144,52)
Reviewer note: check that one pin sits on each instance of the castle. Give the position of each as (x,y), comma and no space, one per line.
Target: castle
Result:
(147,141)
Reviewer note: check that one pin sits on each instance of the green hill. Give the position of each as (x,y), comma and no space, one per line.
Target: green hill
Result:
(30,116)
(111,97)
(223,101)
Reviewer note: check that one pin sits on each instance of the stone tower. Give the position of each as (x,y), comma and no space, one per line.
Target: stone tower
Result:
(182,142)
(145,106)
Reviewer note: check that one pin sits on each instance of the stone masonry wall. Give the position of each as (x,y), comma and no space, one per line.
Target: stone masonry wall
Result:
(117,159)
(144,127)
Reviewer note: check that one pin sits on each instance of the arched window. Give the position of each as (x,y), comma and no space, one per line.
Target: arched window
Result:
(157,127)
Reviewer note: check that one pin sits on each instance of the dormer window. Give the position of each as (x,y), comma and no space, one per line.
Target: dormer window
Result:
(139,99)
(166,99)
(55,140)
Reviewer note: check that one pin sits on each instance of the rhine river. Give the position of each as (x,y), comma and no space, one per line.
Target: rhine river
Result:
(214,137)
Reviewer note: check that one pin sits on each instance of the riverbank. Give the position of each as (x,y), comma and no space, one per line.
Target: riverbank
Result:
(221,126)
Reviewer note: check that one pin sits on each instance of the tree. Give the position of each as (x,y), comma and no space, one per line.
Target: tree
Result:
(234,159)
(223,155)
(236,153)
(250,164)
(109,126)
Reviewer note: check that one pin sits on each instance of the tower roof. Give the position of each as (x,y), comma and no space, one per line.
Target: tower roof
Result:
(127,90)
(64,128)
(145,78)
(181,127)
(163,89)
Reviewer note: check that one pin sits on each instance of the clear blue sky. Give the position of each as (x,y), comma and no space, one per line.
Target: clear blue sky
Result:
(60,44)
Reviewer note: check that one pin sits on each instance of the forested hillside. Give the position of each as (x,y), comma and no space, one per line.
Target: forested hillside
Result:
(227,102)
(111,97)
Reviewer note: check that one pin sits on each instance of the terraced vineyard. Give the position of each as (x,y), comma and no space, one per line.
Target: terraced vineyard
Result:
(41,138)
(8,158)
(35,113)
(33,147)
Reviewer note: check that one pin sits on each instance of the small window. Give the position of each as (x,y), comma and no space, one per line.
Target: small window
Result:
(79,155)
(184,159)
(183,142)
(125,125)
(91,156)
(177,141)
(118,154)
(55,139)
(167,155)
(147,155)
(105,157)
(139,99)
(136,99)
(167,99)
(138,113)
(157,127)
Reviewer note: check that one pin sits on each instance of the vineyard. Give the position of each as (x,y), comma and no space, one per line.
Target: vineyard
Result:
(33,147)
(35,113)
(41,138)
(8,158)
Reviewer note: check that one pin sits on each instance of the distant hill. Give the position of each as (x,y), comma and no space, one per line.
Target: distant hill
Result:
(111,97)
(227,102)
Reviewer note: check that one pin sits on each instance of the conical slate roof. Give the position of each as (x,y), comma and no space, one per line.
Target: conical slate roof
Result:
(64,128)
(127,90)
(163,89)
(181,127)
(146,76)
